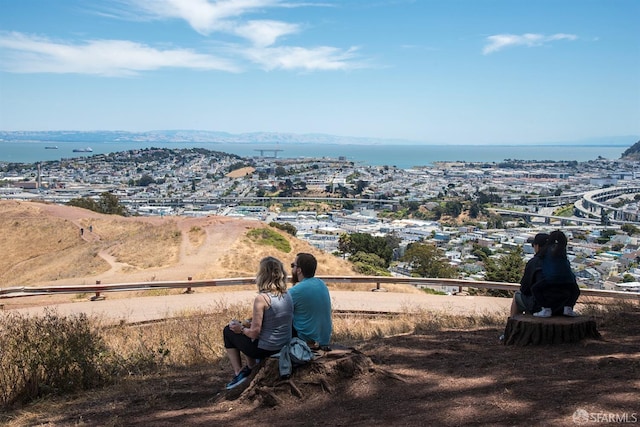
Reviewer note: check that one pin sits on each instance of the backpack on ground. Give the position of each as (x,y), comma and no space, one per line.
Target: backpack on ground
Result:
(294,353)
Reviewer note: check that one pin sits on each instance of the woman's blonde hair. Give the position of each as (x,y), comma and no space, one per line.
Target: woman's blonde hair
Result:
(271,276)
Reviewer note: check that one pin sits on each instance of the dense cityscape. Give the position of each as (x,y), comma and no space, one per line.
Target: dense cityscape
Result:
(458,206)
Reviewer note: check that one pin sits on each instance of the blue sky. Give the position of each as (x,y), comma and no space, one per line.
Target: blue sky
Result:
(445,71)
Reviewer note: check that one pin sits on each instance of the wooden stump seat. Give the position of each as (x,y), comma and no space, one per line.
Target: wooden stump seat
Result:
(330,370)
(525,329)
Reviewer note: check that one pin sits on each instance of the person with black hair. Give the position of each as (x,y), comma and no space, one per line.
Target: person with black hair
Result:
(556,289)
(523,300)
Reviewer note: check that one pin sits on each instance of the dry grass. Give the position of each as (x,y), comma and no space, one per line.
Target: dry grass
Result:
(44,250)
(45,247)
(145,246)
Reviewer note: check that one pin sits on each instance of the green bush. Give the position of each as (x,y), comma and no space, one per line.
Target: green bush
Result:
(286,227)
(266,236)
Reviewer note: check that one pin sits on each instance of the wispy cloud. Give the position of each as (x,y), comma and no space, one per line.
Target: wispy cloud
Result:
(298,58)
(32,54)
(259,42)
(501,41)
(265,33)
(207,17)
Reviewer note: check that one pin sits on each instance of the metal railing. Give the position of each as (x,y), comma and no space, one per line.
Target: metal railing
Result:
(189,285)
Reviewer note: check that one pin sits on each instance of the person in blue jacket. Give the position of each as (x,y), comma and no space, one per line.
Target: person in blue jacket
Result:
(548,285)
(557,290)
(311,303)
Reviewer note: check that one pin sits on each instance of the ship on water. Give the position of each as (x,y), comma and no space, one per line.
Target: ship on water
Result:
(83,150)
(51,147)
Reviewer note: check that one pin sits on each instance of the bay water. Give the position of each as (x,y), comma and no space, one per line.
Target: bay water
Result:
(401,156)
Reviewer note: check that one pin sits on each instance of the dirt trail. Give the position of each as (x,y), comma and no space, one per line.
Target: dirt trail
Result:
(130,249)
(219,235)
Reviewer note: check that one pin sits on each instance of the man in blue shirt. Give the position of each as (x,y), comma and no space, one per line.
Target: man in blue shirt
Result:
(311,302)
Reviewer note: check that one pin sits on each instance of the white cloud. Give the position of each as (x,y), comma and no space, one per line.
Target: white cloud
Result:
(265,33)
(298,58)
(30,54)
(501,41)
(204,16)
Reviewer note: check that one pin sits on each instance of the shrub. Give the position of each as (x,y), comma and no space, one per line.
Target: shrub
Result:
(48,355)
(286,227)
(266,236)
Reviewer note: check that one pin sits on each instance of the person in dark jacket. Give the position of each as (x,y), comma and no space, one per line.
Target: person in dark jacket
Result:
(523,300)
(548,285)
(556,291)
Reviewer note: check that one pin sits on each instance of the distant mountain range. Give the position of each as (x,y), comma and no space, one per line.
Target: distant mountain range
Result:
(253,137)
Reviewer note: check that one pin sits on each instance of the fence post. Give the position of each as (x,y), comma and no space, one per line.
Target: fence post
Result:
(378,288)
(97,296)
(189,290)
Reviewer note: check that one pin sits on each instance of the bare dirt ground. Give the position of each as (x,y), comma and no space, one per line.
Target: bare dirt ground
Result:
(447,377)
(441,378)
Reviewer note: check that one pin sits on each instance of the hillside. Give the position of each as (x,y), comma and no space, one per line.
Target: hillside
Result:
(46,247)
(632,153)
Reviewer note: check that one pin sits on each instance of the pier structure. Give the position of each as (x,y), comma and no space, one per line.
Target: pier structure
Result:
(265,150)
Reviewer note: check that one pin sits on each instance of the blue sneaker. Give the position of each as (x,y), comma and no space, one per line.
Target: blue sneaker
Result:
(240,378)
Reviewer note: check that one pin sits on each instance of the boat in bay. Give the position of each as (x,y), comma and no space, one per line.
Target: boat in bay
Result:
(83,150)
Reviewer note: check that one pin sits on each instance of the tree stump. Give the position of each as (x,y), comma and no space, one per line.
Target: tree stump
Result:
(525,329)
(329,371)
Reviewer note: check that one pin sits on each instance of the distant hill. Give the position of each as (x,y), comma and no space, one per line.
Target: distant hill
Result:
(48,247)
(188,136)
(191,136)
(632,153)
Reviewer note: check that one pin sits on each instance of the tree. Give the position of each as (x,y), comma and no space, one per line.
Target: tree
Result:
(110,204)
(286,227)
(426,260)
(369,264)
(366,243)
(107,203)
(630,229)
(508,268)
(85,203)
(474,210)
(453,208)
(481,252)
(145,180)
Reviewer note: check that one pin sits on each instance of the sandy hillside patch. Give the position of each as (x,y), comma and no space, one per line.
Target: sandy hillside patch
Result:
(238,173)
(47,247)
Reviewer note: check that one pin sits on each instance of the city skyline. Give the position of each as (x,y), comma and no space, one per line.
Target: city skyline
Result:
(436,72)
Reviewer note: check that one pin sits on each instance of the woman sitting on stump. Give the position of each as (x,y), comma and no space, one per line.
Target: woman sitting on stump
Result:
(270,326)
(548,285)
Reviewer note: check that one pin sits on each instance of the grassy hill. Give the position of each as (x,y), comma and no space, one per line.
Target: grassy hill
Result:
(46,247)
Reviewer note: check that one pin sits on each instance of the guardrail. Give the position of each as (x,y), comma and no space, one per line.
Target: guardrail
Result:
(189,285)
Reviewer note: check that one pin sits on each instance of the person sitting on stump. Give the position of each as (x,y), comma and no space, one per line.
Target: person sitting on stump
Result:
(311,303)
(270,327)
(548,285)
(557,290)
